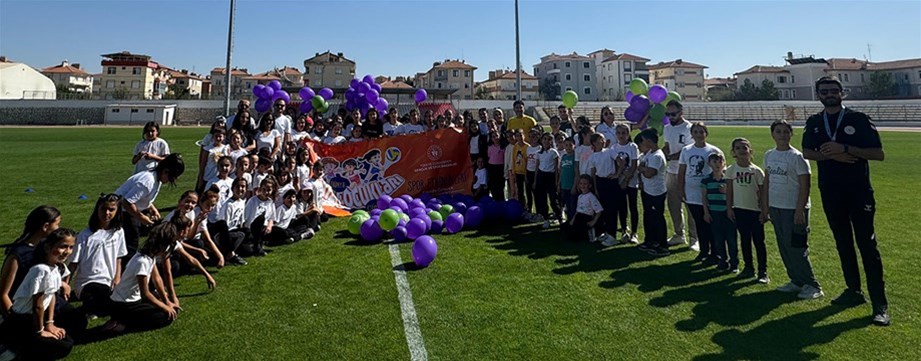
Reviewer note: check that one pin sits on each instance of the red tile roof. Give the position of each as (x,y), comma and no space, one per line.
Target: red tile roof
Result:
(625,56)
(679,63)
(763,69)
(395,85)
(64,69)
(846,64)
(235,71)
(897,64)
(453,64)
(511,75)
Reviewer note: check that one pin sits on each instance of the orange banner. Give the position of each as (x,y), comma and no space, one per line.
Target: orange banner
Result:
(434,162)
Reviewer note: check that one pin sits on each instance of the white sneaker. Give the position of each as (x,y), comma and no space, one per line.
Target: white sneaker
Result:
(790,287)
(600,237)
(546,224)
(609,241)
(810,293)
(676,240)
(591,235)
(634,240)
(694,245)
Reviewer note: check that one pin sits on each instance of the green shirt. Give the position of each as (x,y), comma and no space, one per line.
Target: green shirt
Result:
(567,171)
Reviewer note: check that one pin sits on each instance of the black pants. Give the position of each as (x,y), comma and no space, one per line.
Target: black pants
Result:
(631,206)
(546,191)
(850,214)
(140,315)
(20,337)
(495,181)
(228,241)
(531,179)
(619,207)
(704,233)
(751,232)
(654,220)
(579,230)
(522,184)
(568,200)
(608,191)
(95,298)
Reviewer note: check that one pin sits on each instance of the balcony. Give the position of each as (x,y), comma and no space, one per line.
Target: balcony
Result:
(553,71)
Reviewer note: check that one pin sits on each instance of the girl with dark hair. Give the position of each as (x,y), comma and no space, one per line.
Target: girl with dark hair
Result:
(39,224)
(95,264)
(138,194)
(150,150)
(547,180)
(372,128)
(267,137)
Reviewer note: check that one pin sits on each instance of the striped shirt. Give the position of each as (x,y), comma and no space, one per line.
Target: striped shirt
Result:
(716,193)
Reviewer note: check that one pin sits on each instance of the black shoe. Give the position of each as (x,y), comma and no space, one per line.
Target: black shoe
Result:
(644,246)
(659,252)
(747,272)
(881,316)
(700,258)
(237,260)
(711,261)
(849,298)
(259,252)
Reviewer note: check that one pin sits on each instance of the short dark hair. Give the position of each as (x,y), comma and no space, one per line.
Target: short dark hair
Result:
(676,104)
(715,156)
(561,106)
(161,238)
(828,80)
(649,133)
(519,101)
(173,165)
(779,123)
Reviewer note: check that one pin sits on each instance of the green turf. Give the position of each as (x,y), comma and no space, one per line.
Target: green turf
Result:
(497,293)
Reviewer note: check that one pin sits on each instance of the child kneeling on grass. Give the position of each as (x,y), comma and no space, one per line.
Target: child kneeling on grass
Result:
(588,211)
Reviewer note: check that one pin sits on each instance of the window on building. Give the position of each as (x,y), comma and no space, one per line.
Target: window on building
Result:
(567,64)
(586,77)
(338,71)
(906,76)
(627,78)
(454,73)
(110,70)
(839,76)
(536,71)
(149,110)
(919,75)
(681,85)
(116,110)
(122,82)
(318,70)
(306,70)
(680,72)
(134,110)
(135,84)
(862,79)
(781,79)
(466,73)
(439,85)
(691,72)
(554,65)
(586,90)
(846,77)
(338,82)
(568,76)
(586,65)
(628,66)
(135,71)
(792,79)
(441,73)
(568,88)
(466,85)
(793,93)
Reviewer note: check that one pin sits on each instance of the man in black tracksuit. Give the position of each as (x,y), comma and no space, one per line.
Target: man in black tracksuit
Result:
(842,141)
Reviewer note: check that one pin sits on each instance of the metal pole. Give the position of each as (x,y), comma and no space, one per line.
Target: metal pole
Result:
(227,69)
(517,55)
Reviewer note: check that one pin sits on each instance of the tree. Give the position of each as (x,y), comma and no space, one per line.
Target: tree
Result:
(881,85)
(549,90)
(768,91)
(748,91)
(480,93)
(121,93)
(176,91)
(720,94)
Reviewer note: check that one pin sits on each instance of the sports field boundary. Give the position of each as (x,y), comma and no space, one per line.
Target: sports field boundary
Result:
(414,339)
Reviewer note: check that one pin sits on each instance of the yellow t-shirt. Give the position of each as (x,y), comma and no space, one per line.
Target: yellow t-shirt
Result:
(520,158)
(745,184)
(524,122)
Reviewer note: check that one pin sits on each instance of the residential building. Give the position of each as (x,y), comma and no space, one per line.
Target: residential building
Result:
(219,86)
(132,76)
(70,76)
(560,73)
(779,76)
(20,81)
(613,73)
(681,76)
(289,76)
(720,89)
(449,74)
(503,85)
(328,70)
(191,82)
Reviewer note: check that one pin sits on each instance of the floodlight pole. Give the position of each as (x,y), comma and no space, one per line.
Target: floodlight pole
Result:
(227,69)
(517,55)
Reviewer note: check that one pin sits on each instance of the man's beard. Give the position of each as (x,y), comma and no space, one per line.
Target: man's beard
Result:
(830,102)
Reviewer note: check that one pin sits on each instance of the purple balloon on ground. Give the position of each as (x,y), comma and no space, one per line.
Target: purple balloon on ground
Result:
(383,201)
(370,231)
(402,223)
(416,203)
(454,223)
(425,197)
(424,251)
(406,197)
(437,227)
(399,202)
(427,221)
(460,207)
(473,216)
(415,228)
(375,212)
(417,212)
(513,211)
(396,208)
(398,234)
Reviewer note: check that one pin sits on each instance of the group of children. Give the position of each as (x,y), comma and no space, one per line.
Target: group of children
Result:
(243,207)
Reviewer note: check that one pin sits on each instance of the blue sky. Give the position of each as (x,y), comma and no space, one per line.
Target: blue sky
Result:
(404,37)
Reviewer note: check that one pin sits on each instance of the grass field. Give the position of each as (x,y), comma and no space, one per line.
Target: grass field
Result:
(496,293)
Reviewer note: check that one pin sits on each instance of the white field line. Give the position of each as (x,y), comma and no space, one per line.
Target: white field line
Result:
(410,322)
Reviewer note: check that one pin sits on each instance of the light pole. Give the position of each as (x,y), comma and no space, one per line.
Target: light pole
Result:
(227,69)
(517,55)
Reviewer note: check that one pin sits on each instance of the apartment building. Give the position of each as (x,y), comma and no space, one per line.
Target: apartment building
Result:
(681,76)
(613,72)
(503,85)
(132,76)
(560,73)
(70,76)
(328,70)
(450,74)
(219,86)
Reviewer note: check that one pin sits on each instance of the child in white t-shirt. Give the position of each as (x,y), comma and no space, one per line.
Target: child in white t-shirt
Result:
(692,169)
(260,214)
(479,179)
(213,152)
(30,328)
(149,150)
(588,212)
(547,180)
(96,263)
(652,170)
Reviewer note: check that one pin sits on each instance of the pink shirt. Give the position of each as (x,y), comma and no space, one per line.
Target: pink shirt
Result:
(496,155)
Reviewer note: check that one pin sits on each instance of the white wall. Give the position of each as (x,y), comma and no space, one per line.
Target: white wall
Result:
(20,81)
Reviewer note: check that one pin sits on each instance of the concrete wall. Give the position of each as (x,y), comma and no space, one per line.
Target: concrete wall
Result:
(70,112)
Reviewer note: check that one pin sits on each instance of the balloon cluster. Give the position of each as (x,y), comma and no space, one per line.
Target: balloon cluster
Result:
(648,101)
(419,219)
(268,94)
(365,94)
(315,100)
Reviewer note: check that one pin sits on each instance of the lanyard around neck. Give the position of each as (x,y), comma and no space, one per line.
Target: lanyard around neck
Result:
(832,135)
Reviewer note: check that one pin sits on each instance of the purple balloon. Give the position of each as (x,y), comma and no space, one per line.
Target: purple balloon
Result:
(258,90)
(402,222)
(306,93)
(263,104)
(382,105)
(513,210)
(460,207)
(275,85)
(383,201)
(400,203)
(658,93)
(377,87)
(375,212)
(473,216)
(306,107)
(633,115)
(428,222)
(437,226)
(417,203)
(364,88)
(454,223)
(421,95)
(415,228)
(396,209)
(408,198)
(281,94)
(350,94)
(398,233)
(424,251)
(368,79)
(268,93)
(629,96)
(370,231)
(640,103)
(665,120)
(326,93)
